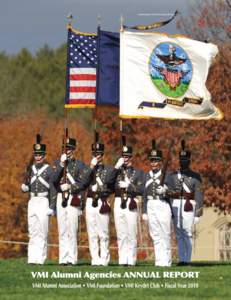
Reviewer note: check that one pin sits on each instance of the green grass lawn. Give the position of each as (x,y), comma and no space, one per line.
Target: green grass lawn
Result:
(16,282)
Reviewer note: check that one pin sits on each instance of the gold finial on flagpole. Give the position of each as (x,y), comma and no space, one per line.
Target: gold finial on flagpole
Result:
(70,19)
(121,23)
(98,20)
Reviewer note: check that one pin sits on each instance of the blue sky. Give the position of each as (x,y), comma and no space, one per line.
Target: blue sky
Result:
(32,23)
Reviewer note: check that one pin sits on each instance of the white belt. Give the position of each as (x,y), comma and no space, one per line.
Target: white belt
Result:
(119,198)
(152,198)
(44,194)
(78,195)
(179,200)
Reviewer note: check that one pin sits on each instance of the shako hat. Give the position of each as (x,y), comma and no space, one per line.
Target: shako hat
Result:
(155,154)
(70,143)
(184,154)
(126,150)
(39,148)
(97,147)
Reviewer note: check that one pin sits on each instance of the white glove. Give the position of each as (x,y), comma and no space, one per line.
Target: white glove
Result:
(94,188)
(119,163)
(80,212)
(123,184)
(50,212)
(196,220)
(144,217)
(24,188)
(161,190)
(65,187)
(127,180)
(94,162)
(63,158)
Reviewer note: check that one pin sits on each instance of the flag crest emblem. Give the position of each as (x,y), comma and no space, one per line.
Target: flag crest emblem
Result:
(170,69)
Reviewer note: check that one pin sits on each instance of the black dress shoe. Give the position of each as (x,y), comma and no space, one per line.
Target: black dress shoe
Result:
(183,263)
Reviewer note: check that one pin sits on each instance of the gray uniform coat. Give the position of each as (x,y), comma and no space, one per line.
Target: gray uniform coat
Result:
(78,176)
(193,182)
(42,182)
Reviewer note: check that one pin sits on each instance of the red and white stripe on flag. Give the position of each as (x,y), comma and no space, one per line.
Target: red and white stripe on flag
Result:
(82,87)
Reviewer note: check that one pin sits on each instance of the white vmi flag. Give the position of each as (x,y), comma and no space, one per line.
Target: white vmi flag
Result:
(164,76)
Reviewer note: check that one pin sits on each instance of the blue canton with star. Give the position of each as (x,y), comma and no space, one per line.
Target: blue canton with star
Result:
(82,50)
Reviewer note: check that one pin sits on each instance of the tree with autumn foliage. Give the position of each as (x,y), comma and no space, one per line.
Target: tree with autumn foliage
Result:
(208,21)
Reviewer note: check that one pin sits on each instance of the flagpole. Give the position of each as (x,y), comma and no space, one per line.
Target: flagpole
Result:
(121,23)
(65,135)
(98,20)
(121,129)
(94,113)
(70,19)
(121,120)
(140,235)
(69,25)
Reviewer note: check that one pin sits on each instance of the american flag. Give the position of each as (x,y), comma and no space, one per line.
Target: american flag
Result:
(81,69)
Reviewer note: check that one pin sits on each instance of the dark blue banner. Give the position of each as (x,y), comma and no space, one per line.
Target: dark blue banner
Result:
(107,91)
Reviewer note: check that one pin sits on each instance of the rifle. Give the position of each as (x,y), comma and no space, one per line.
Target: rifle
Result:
(30,163)
(188,205)
(165,165)
(105,208)
(124,195)
(95,195)
(65,195)
(164,171)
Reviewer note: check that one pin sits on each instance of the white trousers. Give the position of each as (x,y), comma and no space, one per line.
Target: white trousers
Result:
(98,233)
(183,222)
(126,230)
(38,229)
(67,218)
(159,222)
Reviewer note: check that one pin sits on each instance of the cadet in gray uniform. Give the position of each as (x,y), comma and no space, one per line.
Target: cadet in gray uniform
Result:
(40,186)
(70,187)
(157,210)
(129,184)
(185,188)
(97,207)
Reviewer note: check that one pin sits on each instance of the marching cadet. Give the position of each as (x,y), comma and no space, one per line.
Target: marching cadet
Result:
(97,206)
(157,210)
(187,195)
(40,186)
(129,184)
(72,177)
